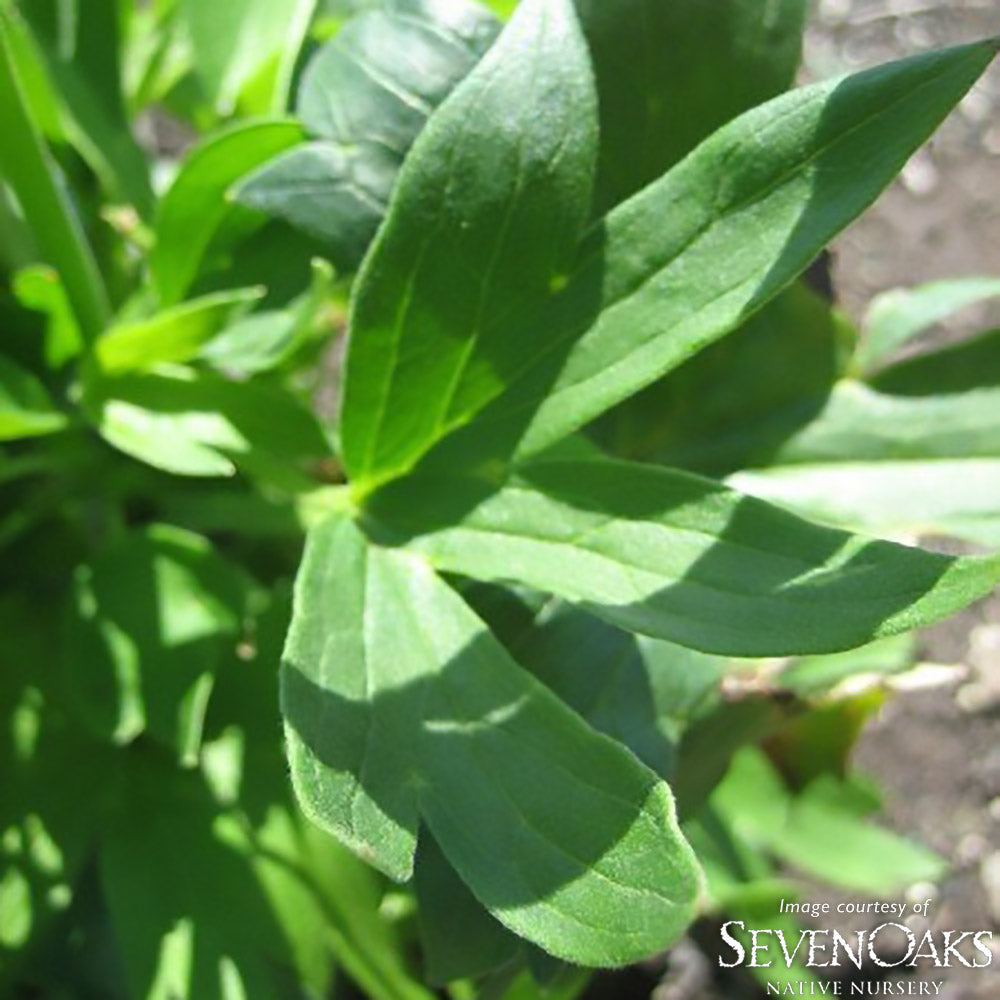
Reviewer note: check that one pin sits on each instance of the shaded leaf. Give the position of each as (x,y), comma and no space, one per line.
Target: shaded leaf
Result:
(151,618)
(367,94)
(270,339)
(26,410)
(458,937)
(669,74)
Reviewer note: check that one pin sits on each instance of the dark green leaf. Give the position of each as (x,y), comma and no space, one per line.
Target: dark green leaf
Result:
(399,704)
(367,93)
(669,74)
(682,558)
(487,213)
(25,407)
(460,939)
(151,618)
(731,405)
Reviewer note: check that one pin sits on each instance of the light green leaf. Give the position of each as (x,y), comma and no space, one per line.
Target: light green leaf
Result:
(669,74)
(886,456)
(25,407)
(39,288)
(682,558)
(823,830)
(814,675)
(367,93)
(80,41)
(399,704)
(487,212)
(896,317)
(195,207)
(889,498)
(242,45)
(271,339)
(199,424)
(176,334)
(28,167)
(745,213)
(458,937)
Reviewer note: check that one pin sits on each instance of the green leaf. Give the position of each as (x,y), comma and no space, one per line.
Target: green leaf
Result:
(458,937)
(257,934)
(367,93)
(885,456)
(814,675)
(890,499)
(400,705)
(28,167)
(150,619)
(25,407)
(637,690)
(733,404)
(268,340)
(199,424)
(745,217)
(487,212)
(39,288)
(196,206)
(896,317)
(80,40)
(678,557)
(176,334)
(242,45)
(822,830)
(670,74)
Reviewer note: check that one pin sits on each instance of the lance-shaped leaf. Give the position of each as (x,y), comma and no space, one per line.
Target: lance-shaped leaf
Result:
(896,317)
(694,254)
(80,43)
(888,456)
(399,704)
(669,74)
(196,205)
(366,95)
(666,553)
(487,212)
(176,334)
